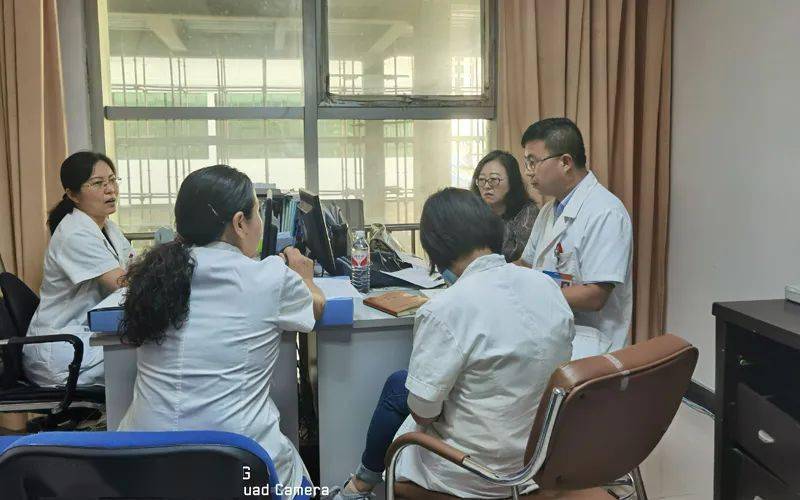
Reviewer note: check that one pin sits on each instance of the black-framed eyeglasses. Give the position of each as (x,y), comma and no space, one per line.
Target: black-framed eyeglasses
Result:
(531,162)
(488,181)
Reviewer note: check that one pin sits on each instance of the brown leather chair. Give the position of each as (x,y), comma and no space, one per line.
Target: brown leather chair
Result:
(598,419)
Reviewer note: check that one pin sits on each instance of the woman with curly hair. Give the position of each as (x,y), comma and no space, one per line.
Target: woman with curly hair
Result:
(207,318)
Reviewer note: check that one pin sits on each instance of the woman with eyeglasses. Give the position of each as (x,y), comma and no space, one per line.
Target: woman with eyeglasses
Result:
(497,180)
(86,257)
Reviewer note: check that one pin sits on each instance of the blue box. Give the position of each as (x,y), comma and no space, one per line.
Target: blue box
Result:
(338,312)
(105,319)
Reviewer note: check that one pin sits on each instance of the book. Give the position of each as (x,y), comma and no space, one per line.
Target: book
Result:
(397,303)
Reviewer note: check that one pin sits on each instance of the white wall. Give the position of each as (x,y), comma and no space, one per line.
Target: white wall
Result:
(735,196)
(72,37)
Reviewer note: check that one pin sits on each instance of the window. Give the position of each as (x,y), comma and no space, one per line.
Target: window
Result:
(363,110)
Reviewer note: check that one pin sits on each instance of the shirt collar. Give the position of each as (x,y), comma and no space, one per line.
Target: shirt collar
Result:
(83,218)
(223,245)
(483,263)
(561,205)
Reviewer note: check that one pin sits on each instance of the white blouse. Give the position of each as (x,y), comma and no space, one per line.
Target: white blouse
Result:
(215,372)
(78,253)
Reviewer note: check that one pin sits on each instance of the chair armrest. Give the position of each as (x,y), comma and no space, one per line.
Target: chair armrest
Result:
(430,443)
(72,370)
(457,457)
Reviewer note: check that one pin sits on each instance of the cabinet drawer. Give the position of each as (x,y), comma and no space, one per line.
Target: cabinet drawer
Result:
(769,434)
(750,481)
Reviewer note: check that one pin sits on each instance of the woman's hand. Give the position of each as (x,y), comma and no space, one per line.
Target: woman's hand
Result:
(298,263)
(304,266)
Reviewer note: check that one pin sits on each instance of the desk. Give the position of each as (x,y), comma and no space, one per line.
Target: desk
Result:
(353,363)
(757,421)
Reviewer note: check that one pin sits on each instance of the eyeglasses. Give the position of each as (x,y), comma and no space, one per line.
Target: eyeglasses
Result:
(531,162)
(99,184)
(488,181)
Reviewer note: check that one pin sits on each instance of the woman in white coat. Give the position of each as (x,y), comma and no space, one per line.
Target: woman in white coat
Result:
(85,259)
(482,354)
(207,318)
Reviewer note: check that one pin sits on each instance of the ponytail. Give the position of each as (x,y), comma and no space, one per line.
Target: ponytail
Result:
(160,281)
(58,212)
(159,287)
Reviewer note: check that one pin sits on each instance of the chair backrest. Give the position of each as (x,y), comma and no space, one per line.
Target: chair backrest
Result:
(20,300)
(616,409)
(186,464)
(11,355)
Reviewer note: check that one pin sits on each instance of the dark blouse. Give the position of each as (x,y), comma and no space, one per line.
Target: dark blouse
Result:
(518,231)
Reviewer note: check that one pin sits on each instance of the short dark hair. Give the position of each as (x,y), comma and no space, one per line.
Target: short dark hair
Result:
(456,222)
(560,136)
(517,196)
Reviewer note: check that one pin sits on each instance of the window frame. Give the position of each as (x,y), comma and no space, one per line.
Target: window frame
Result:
(318,104)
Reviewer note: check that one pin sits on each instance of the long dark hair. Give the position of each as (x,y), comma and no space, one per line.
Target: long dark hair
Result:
(455,223)
(75,170)
(516,197)
(159,282)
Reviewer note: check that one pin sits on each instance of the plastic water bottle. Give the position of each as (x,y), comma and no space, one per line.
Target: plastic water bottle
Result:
(359,261)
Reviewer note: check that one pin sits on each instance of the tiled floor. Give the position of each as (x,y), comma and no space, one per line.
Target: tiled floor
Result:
(682,465)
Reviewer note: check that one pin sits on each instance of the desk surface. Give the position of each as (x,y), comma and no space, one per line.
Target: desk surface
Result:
(364,317)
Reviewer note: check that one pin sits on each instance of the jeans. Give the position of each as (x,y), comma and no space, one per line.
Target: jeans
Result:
(389,415)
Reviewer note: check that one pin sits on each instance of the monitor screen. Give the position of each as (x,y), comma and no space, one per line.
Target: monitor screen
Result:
(315,231)
(270,237)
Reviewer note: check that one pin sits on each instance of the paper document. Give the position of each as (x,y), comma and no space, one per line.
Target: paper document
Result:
(337,287)
(413,260)
(113,300)
(417,276)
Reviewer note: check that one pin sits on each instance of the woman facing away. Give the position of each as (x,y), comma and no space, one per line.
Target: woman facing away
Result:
(497,180)
(483,352)
(207,318)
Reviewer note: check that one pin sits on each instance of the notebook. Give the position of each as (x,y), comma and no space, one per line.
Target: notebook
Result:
(396,303)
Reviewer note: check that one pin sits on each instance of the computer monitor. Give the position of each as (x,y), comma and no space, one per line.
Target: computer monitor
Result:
(269,241)
(315,234)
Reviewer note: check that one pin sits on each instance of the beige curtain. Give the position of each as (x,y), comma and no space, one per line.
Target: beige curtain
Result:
(32,132)
(606,64)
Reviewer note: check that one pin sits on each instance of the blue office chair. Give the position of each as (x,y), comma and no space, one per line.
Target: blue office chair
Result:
(185,464)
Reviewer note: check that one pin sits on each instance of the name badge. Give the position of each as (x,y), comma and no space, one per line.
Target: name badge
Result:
(562,279)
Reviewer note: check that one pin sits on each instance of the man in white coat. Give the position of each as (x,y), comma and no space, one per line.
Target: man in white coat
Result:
(582,237)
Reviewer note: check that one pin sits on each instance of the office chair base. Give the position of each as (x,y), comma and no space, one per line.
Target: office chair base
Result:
(70,420)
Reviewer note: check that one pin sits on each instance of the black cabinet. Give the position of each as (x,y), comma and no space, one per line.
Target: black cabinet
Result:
(757,414)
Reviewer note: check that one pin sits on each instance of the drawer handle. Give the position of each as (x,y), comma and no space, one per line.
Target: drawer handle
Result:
(765,438)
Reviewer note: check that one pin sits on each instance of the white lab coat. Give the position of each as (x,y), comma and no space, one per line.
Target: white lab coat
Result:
(77,253)
(596,237)
(215,372)
(484,350)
